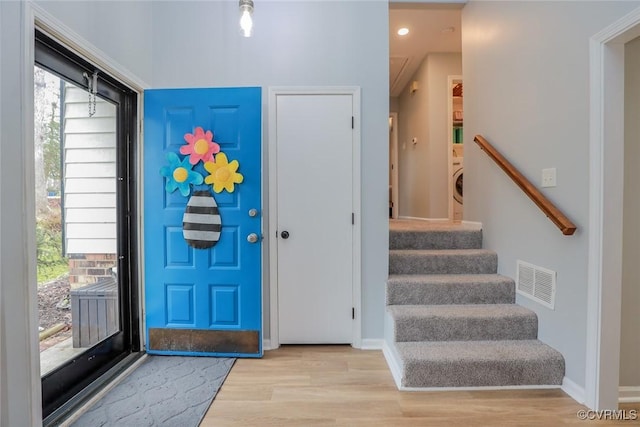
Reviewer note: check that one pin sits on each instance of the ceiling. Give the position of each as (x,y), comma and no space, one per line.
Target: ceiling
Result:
(426,24)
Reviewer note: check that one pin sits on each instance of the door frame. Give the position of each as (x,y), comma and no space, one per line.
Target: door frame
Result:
(274,92)
(395,183)
(35,17)
(606,160)
(450,80)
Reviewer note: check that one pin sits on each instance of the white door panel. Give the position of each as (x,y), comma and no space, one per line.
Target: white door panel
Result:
(315,203)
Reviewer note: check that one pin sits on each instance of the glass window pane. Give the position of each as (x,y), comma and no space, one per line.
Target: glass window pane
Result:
(75,191)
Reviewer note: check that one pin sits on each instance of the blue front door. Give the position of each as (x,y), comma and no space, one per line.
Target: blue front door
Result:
(202,221)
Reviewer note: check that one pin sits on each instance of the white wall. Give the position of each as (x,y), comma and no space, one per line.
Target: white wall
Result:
(413,172)
(526,90)
(17,349)
(120,29)
(311,43)
(295,43)
(16,375)
(123,31)
(630,339)
(423,167)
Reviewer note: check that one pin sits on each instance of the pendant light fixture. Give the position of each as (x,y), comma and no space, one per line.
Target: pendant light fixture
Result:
(246,19)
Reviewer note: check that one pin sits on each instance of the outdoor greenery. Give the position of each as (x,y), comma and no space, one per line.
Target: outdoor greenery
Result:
(51,263)
(51,152)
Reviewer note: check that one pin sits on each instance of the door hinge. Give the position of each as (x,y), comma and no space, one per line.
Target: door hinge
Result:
(353,312)
(353,120)
(353,218)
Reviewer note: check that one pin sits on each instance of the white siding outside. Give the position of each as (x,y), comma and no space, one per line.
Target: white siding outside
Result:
(89,174)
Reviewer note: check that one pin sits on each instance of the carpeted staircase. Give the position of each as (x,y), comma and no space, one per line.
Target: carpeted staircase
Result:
(452,321)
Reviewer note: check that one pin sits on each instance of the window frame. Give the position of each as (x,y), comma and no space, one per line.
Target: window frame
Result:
(75,380)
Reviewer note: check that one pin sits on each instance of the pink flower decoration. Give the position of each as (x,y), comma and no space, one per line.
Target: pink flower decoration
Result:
(200,146)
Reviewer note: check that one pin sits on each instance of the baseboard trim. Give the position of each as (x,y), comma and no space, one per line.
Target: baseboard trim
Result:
(574,391)
(629,394)
(486,388)
(266,345)
(366,344)
(371,344)
(394,363)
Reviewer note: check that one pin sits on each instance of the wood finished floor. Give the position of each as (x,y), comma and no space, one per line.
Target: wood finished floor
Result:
(341,386)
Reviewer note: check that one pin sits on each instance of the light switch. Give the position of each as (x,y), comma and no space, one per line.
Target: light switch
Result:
(549,177)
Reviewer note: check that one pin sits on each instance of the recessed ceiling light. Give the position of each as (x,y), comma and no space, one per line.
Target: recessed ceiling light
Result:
(403,31)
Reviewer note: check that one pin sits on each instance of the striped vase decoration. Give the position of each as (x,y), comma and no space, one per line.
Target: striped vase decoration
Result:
(201,222)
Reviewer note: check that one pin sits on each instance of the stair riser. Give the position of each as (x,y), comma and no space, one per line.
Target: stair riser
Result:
(450,293)
(465,329)
(483,374)
(486,263)
(435,239)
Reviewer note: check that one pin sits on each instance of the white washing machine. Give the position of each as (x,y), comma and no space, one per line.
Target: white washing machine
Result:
(457,188)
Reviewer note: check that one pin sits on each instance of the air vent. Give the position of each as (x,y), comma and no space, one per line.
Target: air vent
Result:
(536,283)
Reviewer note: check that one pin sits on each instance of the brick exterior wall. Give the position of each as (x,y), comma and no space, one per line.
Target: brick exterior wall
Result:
(85,269)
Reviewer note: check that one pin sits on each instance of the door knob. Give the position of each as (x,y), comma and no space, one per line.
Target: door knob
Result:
(253,212)
(284,234)
(252,238)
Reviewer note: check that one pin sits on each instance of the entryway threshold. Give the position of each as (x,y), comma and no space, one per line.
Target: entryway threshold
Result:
(68,413)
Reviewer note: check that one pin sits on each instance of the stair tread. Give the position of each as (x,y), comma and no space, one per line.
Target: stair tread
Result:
(503,350)
(479,363)
(460,311)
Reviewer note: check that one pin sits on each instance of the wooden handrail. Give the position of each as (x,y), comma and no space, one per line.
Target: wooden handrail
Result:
(549,209)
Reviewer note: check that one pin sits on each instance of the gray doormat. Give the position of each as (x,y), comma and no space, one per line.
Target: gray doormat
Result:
(163,391)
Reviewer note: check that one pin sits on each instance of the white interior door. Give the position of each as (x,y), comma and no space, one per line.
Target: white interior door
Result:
(314,224)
